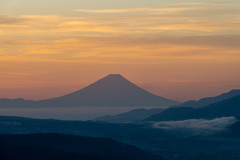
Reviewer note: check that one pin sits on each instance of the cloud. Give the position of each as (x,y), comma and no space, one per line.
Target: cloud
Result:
(230,41)
(176,32)
(147,25)
(162,10)
(206,11)
(10,20)
(112,10)
(122,49)
(197,126)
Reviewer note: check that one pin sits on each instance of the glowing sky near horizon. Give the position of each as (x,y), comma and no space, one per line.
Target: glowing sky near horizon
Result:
(180,50)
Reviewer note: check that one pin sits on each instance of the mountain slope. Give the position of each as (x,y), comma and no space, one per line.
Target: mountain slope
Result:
(234,129)
(209,100)
(112,90)
(18,125)
(101,148)
(225,108)
(12,152)
(134,134)
(132,116)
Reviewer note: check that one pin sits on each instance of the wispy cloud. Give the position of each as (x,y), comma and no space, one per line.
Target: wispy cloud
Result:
(122,49)
(197,126)
(182,41)
(10,20)
(172,10)
(181,32)
(182,10)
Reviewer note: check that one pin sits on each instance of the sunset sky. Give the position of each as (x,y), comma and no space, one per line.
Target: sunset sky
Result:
(180,50)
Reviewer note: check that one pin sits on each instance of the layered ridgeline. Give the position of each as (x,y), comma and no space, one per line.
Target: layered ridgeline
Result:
(138,115)
(225,108)
(133,116)
(112,90)
(209,100)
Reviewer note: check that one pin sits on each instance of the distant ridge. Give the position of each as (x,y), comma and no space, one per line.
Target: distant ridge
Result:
(112,90)
(226,108)
(209,100)
(16,102)
(133,116)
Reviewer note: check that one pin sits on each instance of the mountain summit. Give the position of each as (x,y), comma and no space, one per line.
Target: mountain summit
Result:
(112,90)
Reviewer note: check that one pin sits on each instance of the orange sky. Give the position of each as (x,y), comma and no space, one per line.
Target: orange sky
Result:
(182,51)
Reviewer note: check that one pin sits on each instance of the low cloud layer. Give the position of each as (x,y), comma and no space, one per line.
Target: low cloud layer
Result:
(197,126)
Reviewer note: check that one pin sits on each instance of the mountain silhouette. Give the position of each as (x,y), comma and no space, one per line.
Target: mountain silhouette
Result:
(16,102)
(132,116)
(225,108)
(141,114)
(112,90)
(68,147)
(209,100)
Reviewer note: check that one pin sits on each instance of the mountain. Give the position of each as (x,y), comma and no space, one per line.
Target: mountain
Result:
(53,145)
(234,129)
(209,100)
(78,147)
(12,152)
(112,90)
(225,108)
(132,116)
(134,134)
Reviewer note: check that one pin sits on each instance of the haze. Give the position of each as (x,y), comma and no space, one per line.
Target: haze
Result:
(179,50)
